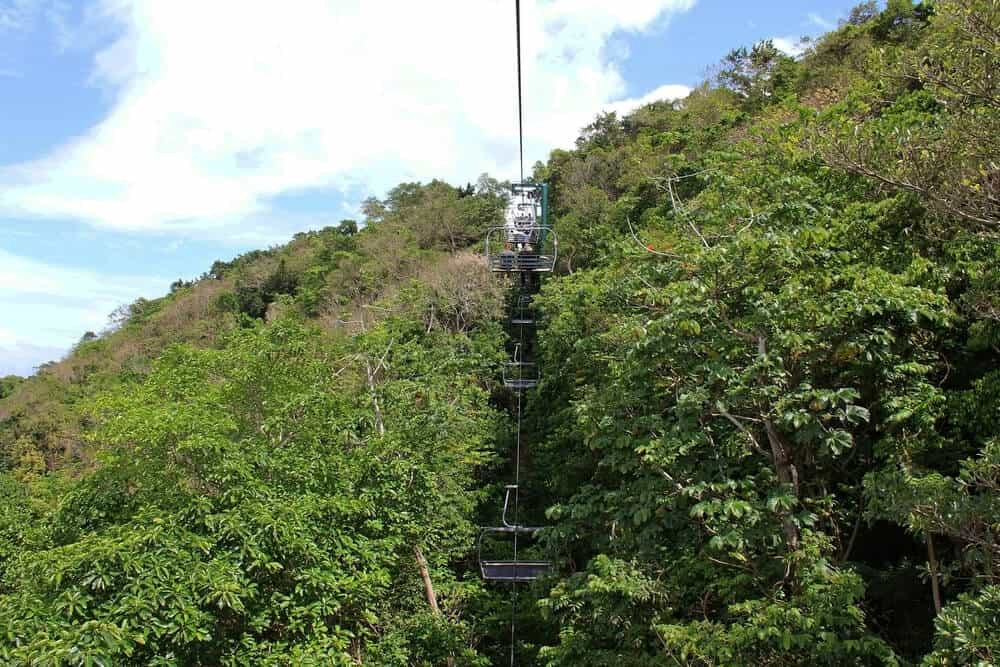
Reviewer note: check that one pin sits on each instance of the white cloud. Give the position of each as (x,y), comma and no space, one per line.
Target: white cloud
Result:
(222,105)
(48,307)
(791,46)
(24,15)
(820,22)
(670,91)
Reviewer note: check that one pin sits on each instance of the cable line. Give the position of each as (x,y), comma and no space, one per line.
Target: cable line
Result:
(520,106)
(528,248)
(519,356)
(520,368)
(517,480)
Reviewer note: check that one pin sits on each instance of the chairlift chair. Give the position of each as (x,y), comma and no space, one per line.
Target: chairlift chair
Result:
(524,314)
(538,255)
(526,242)
(519,374)
(514,570)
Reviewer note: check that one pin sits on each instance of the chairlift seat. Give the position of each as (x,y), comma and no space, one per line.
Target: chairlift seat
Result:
(508,261)
(514,571)
(541,247)
(524,314)
(520,375)
(511,570)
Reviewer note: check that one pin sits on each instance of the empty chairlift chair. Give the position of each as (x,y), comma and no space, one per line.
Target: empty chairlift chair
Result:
(523,314)
(511,570)
(519,374)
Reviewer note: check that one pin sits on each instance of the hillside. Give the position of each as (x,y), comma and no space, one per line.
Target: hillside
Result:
(767,429)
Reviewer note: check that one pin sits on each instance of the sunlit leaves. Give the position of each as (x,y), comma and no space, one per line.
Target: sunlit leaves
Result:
(232,519)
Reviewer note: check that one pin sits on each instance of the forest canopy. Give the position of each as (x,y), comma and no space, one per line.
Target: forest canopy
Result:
(767,431)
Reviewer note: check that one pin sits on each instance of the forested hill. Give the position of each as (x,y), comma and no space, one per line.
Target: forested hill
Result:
(767,430)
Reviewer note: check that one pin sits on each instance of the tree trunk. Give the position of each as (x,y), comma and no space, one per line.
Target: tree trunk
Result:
(933,563)
(379,422)
(850,542)
(787,474)
(425,574)
(784,464)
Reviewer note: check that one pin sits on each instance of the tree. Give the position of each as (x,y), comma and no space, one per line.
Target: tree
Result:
(347,227)
(245,511)
(863,13)
(758,75)
(7,385)
(604,132)
(938,136)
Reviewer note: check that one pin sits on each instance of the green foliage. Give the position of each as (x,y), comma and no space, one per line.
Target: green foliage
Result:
(723,408)
(758,75)
(966,631)
(928,118)
(767,430)
(220,268)
(7,385)
(605,616)
(134,313)
(821,625)
(243,508)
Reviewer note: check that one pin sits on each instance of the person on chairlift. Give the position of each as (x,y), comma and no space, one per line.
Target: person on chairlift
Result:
(520,221)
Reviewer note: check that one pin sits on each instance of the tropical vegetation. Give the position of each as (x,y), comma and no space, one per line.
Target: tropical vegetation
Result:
(767,431)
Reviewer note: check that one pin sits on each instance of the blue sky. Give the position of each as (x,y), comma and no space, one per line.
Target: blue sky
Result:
(141,139)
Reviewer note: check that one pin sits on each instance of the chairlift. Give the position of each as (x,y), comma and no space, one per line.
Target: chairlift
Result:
(519,374)
(511,260)
(523,314)
(514,570)
(525,243)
